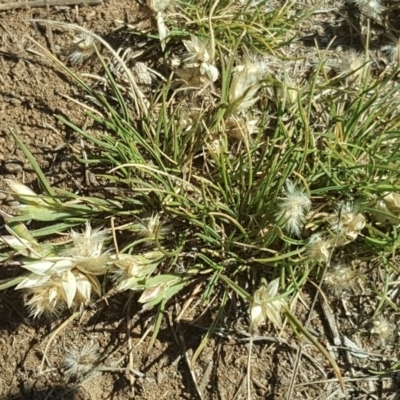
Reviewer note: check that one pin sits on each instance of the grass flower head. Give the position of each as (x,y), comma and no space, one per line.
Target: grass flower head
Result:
(197,51)
(80,363)
(383,215)
(355,66)
(347,222)
(340,278)
(384,329)
(319,248)
(392,202)
(82,48)
(159,5)
(198,77)
(198,65)
(88,251)
(264,307)
(56,285)
(240,127)
(371,8)
(130,270)
(293,208)
(245,84)
(210,71)
(151,227)
(67,279)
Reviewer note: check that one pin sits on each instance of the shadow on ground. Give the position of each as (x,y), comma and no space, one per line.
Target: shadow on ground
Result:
(44,393)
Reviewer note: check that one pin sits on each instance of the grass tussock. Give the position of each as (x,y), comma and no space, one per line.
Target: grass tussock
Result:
(237,157)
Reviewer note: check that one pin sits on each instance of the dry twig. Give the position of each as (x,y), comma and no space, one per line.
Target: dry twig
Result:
(48,3)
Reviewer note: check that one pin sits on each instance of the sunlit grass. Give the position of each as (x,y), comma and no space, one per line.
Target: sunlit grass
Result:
(224,176)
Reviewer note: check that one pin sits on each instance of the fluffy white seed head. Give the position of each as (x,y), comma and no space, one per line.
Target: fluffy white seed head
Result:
(130,270)
(347,223)
(159,5)
(88,252)
(45,301)
(151,227)
(82,48)
(384,329)
(79,363)
(245,84)
(371,8)
(393,51)
(319,248)
(88,243)
(293,208)
(57,291)
(197,51)
(355,66)
(340,278)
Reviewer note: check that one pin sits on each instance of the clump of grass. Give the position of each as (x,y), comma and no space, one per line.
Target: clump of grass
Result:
(266,174)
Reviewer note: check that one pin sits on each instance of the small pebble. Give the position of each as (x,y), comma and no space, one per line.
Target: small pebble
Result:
(160,377)
(3,195)
(12,167)
(8,198)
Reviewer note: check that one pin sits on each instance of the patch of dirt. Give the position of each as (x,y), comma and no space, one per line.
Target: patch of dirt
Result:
(33,92)
(164,372)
